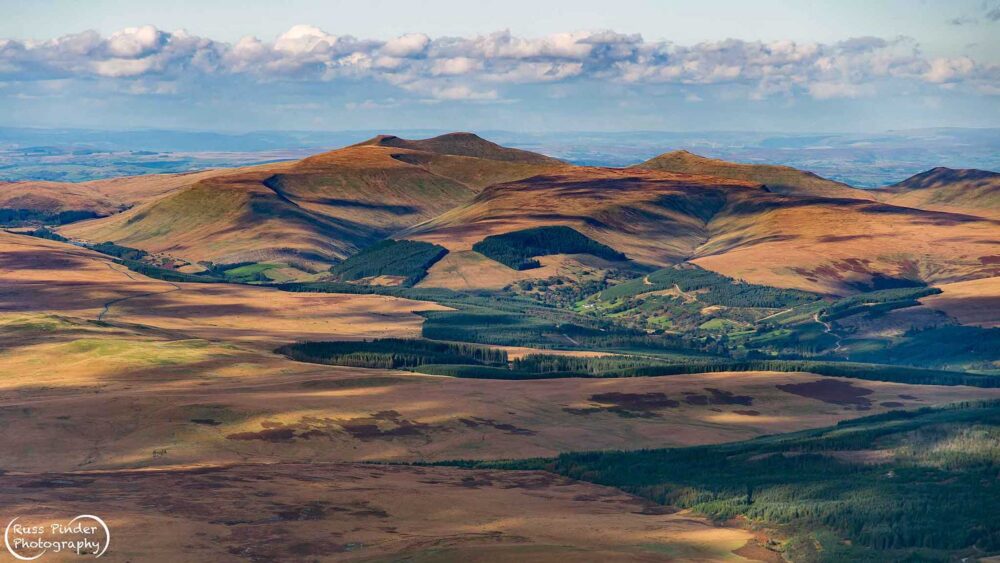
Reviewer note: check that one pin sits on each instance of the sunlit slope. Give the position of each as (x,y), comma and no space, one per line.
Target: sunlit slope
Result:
(230,219)
(311,211)
(733,227)
(653,217)
(837,246)
(971,191)
(778,179)
(101,197)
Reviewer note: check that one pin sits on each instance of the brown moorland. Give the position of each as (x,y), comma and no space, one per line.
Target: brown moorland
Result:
(357,512)
(188,368)
(973,302)
(778,179)
(175,413)
(314,210)
(733,227)
(970,191)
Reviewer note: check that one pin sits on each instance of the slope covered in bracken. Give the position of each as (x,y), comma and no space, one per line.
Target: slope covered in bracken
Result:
(99,197)
(315,210)
(736,228)
(653,217)
(970,191)
(778,179)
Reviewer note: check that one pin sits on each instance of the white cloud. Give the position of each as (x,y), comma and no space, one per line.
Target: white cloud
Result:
(406,46)
(486,64)
(134,42)
(949,70)
(455,65)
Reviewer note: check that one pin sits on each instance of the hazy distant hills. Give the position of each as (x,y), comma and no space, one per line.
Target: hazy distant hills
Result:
(861,160)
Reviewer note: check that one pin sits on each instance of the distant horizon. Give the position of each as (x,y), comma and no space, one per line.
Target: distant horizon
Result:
(859,159)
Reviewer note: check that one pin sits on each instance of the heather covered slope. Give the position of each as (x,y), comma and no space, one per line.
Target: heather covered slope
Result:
(976,192)
(733,227)
(43,202)
(778,179)
(312,211)
(652,217)
(464,144)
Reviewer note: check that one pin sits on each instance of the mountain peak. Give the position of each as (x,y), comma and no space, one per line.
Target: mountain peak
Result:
(940,175)
(462,143)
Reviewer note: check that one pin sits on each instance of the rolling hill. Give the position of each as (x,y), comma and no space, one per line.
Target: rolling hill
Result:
(42,201)
(770,225)
(976,192)
(778,179)
(311,211)
(734,227)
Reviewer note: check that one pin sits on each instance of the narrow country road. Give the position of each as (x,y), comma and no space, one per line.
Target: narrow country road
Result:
(828,328)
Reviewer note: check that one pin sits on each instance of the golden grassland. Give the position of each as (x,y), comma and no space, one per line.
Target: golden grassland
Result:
(309,211)
(972,192)
(973,302)
(780,179)
(174,418)
(729,226)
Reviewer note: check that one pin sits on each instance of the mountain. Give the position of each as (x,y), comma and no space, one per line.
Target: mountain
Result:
(765,224)
(778,179)
(734,227)
(44,201)
(463,144)
(947,189)
(311,211)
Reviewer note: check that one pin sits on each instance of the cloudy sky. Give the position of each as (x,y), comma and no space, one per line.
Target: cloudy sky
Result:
(518,65)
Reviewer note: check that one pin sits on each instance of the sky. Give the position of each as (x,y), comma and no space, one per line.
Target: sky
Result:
(768,65)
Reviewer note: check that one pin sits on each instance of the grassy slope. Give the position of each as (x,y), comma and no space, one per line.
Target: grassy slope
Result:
(779,179)
(732,227)
(652,217)
(103,197)
(312,211)
(976,192)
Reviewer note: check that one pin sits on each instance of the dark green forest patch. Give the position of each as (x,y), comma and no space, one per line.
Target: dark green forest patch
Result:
(517,249)
(393,353)
(408,259)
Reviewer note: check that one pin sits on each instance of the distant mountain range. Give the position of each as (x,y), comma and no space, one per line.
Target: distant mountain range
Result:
(859,160)
(773,225)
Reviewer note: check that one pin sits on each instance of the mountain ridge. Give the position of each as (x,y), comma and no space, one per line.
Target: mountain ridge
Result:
(779,179)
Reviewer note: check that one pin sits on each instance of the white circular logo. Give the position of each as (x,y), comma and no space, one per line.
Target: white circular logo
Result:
(86,534)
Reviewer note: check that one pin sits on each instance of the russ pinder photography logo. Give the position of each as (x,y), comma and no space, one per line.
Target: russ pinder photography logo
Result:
(28,540)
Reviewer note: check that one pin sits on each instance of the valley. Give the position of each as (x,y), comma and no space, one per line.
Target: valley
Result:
(445,349)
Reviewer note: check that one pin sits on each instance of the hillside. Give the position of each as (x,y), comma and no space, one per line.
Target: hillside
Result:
(970,191)
(309,212)
(43,202)
(733,227)
(463,144)
(778,179)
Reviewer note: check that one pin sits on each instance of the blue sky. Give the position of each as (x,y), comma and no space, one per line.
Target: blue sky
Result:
(516,65)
